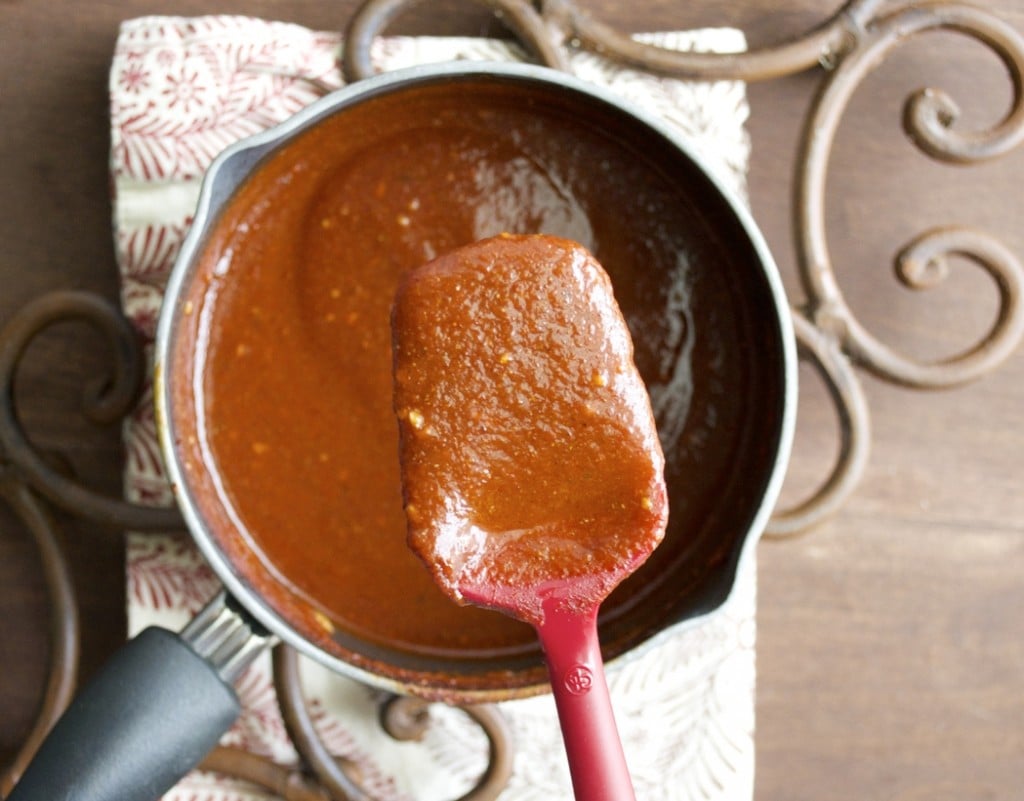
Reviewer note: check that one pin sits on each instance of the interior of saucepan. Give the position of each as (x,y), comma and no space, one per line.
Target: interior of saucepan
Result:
(278,374)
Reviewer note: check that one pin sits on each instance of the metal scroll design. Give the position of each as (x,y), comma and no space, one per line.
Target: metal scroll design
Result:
(29,482)
(829,333)
(28,479)
(847,46)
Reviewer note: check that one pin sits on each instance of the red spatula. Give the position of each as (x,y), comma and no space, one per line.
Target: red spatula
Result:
(531,466)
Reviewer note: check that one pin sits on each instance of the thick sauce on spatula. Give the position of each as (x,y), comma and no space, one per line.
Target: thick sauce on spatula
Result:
(528,448)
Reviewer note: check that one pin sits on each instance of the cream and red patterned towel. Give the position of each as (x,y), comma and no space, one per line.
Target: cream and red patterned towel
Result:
(183,89)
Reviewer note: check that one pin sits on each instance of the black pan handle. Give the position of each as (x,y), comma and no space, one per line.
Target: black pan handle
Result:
(152,713)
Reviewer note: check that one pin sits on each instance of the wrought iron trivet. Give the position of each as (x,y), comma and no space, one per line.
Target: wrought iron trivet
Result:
(846,48)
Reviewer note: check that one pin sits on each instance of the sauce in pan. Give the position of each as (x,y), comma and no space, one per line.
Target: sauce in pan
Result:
(286,423)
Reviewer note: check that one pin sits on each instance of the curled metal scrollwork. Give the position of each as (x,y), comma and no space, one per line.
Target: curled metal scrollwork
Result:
(28,476)
(374,16)
(930,114)
(822,45)
(288,783)
(929,117)
(104,401)
(923,258)
(62,672)
(404,718)
(825,356)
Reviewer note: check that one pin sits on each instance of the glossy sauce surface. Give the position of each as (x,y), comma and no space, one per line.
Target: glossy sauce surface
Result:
(286,425)
(530,460)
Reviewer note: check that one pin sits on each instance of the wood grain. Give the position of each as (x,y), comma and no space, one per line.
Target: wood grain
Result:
(891,656)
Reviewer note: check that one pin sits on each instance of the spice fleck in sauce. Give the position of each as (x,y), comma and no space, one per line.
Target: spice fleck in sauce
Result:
(528,447)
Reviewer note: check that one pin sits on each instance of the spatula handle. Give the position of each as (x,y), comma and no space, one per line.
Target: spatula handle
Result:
(596,761)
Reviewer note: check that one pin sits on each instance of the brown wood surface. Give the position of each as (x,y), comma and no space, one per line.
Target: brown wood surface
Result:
(891,639)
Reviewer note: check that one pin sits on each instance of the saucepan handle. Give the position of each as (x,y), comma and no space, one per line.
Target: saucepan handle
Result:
(148,717)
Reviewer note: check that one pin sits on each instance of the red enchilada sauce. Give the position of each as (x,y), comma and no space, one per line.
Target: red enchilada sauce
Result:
(286,423)
(529,454)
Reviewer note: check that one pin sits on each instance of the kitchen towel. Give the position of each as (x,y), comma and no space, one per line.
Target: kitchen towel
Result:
(181,90)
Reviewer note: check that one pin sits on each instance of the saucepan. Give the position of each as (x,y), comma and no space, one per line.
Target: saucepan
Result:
(272,380)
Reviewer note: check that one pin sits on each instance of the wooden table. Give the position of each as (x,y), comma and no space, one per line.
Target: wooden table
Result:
(891,655)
